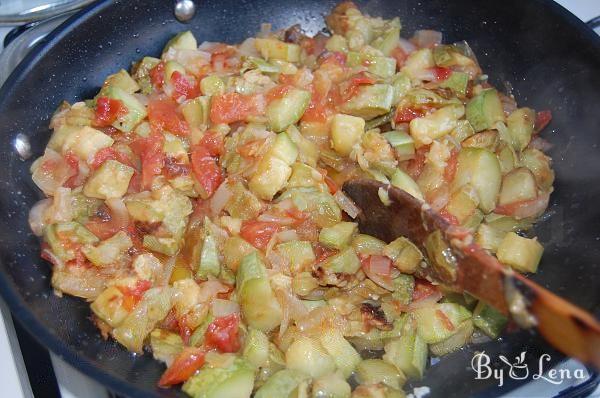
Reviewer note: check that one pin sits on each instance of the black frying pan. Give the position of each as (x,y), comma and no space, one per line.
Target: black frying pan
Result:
(550,58)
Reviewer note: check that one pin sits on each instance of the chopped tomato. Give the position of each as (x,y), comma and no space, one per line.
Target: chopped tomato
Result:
(354,84)
(107,111)
(223,333)
(450,170)
(183,86)
(322,253)
(150,150)
(277,92)
(405,115)
(183,367)
(163,114)
(525,208)
(235,107)
(400,56)
(416,164)
(446,322)
(206,170)
(73,162)
(213,142)
(133,295)
(111,153)
(542,118)
(440,73)
(448,216)
(258,233)
(423,289)
(157,75)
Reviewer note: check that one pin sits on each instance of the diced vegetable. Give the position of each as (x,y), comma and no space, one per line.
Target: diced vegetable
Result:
(403,144)
(212,85)
(307,356)
(123,80)
(281,384)
(370,101)
(243,204)
(234,250)
(346,131)
(462,335)
(440,256)
(375,371)
(165,345)
(380,66)
(109,251)
(136,112)
(110,180)
(85,142)
(439,321)
(367,245)
(337,43)
(408,352)
(520,127)
(520,253)
(308,152)
(210,264)
(518,185)
(182,41)
(539,164)
(196,111)
(346,262)
(489,237)
(457,82)
(285,111)
(108,306)
(299,254)
(403,181)
(507,158)
(275,49)
(344,355)
(235,380)
(339,235)
(480,168)
(404,286)
(487,139)
(256,348)
(435,125)
(417,62)
(489,320)
(463,203)
(387,42)
(333,385)
(405,255)
(484,110)
(321,205)
(62,236)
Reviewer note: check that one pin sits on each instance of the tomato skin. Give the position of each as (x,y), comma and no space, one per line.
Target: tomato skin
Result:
(109,153)
(445,320)
(235,107)
(206,170)
(157,75)
(542,118)
(258,233)
(183,367)
(441,73)
(223,333)
(107,111)
(400,56)
(213,142)
(73,162)
(405,115)
(133,295)
(150,150)
(163,114)
(423,289)
(451,164)
(183,87)
(277,92)
(354,84)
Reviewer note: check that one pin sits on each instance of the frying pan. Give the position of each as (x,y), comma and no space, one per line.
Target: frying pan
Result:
(550,58)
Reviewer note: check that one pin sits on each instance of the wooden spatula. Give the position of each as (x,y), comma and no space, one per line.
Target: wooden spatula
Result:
(468,267)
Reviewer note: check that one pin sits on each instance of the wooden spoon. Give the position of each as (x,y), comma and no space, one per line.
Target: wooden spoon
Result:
(567,327)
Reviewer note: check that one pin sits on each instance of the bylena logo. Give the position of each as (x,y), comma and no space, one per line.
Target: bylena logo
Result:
(519,370)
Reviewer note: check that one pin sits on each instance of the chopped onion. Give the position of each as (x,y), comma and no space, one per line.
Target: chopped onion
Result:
(208,46)
(248,49)
(427,38)
(37,223)
(224,307)
(51,171)
(346,204)
(163,278)
(406,46)
(118,212)
(426,302)
(192,60)
(210,290)
(509,105)
(379,270)
(266,217)
(287,235)
(220,198)
(439,198)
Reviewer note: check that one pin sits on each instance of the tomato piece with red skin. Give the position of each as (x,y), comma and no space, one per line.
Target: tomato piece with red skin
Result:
(406,114)
(446,322)
(206,171)
(423,289)
(73,162)
(223,334)
(235,107)
(133,295)
(354,83)
(187,362)
(183,87)
(213,142)
(440,73)
(277,92)
(150,150)
(322,253)
(109,153)
(258,233)
(451,164)
(157,75)
(164,114)
(542,119)
(108,111)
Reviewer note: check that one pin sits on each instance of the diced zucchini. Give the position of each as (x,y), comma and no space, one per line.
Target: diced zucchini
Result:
(212,85)
(299,254)
(473,221)
(322,206)
(250,267)
(408,352)
(123,80)
(108,306)
(339,235)
(367,245)
(108,251)
(461,336)
(417,62)
(479,168)
(489,237)
(209,259)
(485,109)
(236,380)
(388,41)
(506,157)
(520,127)
(375,371)
(256,348)
(404,286)
(403,181)
(309,357)
(401,85)
(344,355)
(168,246)
(457,82)
(243,204)
(153,308)
(462,131)
(443,55)
(370,101)
(337,43)
(403,144)
(304,176)
(440,255)
(276,49)
(517,186)
(61,236)
(304,283)
(520,253)
(346,262)
(489,320)
(141,73)
(539,164)
(405,255)
(84,142)
(308,151)
(136,112)
(172,67)
(346,131)
(487,139)
(439,321)
(381,66)
(281,384)
(507,223)
(463,203)
(165,345)
(287,110)
(234,250)
(182,41)
(260,64)
(196,111)
(110,180)
(435,125)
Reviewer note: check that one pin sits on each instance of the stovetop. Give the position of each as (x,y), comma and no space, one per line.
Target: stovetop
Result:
(27,369)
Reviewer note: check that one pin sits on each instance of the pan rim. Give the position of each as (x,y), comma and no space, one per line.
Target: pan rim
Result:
(19,308)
